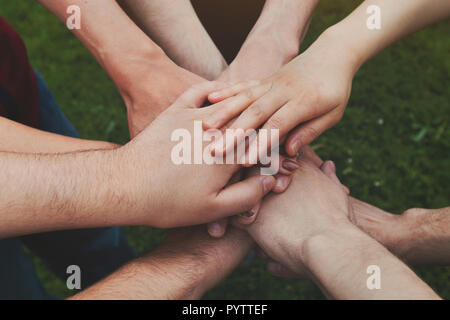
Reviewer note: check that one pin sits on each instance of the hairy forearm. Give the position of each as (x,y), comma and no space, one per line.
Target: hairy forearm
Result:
(418,236)
(428,237)
(19,138)
(153,277)
(171,24)
(398,19)
(183,267)
(338,262)
(44,192)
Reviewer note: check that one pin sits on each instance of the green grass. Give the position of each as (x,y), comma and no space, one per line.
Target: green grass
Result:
(391,148)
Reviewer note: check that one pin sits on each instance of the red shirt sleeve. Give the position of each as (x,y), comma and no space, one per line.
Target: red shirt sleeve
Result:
(19,95)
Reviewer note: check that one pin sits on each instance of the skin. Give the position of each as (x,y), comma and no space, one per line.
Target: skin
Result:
(186,265)
(61,191)
(147,79)
(274,41)
(309,95)
(170,24)
(308,230)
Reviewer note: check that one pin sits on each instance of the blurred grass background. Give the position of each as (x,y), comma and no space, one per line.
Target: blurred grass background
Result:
(391,148)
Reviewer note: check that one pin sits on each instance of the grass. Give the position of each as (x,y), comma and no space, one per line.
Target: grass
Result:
(391,148)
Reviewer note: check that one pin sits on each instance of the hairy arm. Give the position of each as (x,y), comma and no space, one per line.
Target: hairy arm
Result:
(147,79)
(44,192)
(171,24)
(418,236)
(187,265)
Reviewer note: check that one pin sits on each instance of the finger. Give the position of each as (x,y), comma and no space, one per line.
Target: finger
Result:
(224,93)
(218,228)
(195,96)
(281,271)
(308,132)
(248,217)
(243,196)
(232,107)
(329,168)
(282,183)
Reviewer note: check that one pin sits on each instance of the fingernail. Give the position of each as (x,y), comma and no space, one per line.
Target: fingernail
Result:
(251,212)
(215,229)
(280,183)
(290,165)
(214,95)
(268,183)
(296,146)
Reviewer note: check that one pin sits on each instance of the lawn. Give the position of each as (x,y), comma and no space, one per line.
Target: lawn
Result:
(391,148)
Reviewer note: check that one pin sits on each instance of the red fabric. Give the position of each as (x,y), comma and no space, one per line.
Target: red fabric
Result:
(17,79)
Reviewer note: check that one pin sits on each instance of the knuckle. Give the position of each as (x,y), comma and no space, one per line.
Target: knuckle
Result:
(275,122)
(256,112)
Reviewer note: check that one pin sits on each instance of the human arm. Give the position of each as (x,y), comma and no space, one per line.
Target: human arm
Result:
(418,236)
(185,266)
(125,186)
(309,94)
(308,230)
(147,79)
(273,41)
(20,138)
(174,25)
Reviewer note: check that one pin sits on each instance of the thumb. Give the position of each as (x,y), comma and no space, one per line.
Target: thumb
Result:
(244,195)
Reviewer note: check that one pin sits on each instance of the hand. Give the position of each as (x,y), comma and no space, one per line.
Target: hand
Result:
(150,87)
(312,205)
(210,259)
(308,95)
(164,194)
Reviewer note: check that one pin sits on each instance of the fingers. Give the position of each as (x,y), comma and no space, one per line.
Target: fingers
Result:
(218,228)
(290,115)
(282,183)
(244,195)
(195,96)
(232,107)
(221,94)
(308,132)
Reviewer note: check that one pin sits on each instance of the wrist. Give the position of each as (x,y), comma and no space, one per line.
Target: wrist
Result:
(339,236)
(128,68)
(340,48)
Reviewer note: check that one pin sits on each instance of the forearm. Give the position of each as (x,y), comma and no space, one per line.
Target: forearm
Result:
(44,192)
(19,138)
(107,33)
(398,19)
(171,24)
(338,263)
(427,240)
(288,17)
(185,267)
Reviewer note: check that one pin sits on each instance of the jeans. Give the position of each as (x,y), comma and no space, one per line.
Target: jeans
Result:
(97,252)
